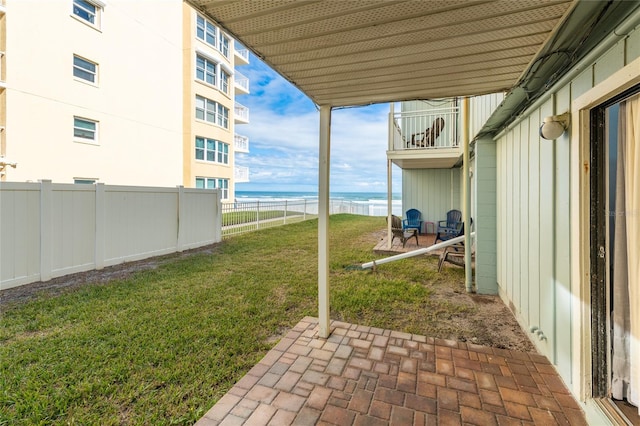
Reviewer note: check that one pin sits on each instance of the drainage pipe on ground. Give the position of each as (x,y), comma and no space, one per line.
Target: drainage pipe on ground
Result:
(416,252)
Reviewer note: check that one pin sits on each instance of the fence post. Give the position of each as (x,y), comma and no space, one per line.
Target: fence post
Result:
(46,237)
(285,211)
(304,216)
(218,213)
(182,217)
(258,215)
(99,205)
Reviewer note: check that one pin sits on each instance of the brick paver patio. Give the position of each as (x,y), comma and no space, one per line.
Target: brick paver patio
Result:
(369,376)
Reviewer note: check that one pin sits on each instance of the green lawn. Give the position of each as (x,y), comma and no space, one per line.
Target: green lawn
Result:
(163,346)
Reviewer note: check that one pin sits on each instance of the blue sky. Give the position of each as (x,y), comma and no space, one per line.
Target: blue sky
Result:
(283,140)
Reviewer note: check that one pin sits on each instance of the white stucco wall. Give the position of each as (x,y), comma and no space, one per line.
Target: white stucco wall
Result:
(137,101)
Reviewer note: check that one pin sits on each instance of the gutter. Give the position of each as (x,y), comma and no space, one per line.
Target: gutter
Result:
(521,101)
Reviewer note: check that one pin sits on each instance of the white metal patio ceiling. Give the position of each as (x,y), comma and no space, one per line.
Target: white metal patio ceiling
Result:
(355,52)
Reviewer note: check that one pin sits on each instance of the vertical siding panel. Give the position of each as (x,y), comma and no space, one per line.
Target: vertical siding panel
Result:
(609,63)
(499,192)
(524,218)
(633,47)
(563,237)
(547,228)
(534,221)
(509,215)
(515,175)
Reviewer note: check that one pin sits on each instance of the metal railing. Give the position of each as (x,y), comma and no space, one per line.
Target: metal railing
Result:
(429,129)
(241,217)
(242,82)
(243,53)
(241,174)
(240,143)
(241,112)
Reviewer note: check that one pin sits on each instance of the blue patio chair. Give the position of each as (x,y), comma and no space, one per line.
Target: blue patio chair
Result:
(413,220)
(451,227)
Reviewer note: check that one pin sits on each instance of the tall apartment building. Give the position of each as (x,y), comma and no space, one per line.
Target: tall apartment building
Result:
(95,91)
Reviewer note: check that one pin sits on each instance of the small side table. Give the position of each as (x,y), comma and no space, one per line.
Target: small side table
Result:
(429,226)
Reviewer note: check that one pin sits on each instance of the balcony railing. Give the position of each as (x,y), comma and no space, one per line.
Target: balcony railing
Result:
(429,129)
(241,143)
(241,174)
(241,113)
(242,55)
(241,83)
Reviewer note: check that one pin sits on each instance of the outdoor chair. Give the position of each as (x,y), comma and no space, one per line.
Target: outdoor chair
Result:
(398,231)
(450,227)
(413,220)
(429,136)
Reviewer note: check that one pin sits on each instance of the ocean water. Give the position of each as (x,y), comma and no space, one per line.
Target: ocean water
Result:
(369,203)
(281,195)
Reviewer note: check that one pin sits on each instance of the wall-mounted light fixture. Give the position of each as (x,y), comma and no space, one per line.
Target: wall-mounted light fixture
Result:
(553,127)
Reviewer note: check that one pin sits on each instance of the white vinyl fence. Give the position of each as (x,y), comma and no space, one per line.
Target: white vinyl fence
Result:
(48,230)
(246,216)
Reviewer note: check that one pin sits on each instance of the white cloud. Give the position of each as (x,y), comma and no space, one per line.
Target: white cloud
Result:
(283,134)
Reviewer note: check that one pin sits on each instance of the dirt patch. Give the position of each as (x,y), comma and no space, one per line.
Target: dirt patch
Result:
(490,323)
(70,282)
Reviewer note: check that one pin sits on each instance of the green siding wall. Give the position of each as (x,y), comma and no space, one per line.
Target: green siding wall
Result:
(484,177)
(432,191)
(534,217)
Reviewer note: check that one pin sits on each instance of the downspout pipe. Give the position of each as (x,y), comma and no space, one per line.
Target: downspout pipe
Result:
(417,252)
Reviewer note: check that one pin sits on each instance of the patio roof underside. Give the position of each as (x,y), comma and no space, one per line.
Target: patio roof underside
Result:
(358,52)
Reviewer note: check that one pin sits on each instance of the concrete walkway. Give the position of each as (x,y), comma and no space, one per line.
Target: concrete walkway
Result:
(369,376)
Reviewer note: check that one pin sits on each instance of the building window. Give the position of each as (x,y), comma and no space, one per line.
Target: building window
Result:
(84,129)
(205,109)
(223,153)
(87,11)
(224,81)
(212,112)
(223,116)
(84,181)
(205,70)
(212,150)
(224,45)
(205,31)
(205,149)
(85,70)
(213,183)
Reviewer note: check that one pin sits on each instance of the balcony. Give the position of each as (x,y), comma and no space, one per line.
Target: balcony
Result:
(241,115)
(241,143)
(424,139)
(240,174)
(241,84)
(241,56)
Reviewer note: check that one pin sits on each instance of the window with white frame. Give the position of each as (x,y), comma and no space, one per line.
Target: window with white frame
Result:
(87,11)
(85,129)
(224,45)
(224,81)
(206,109)
(84,69)
(206,31)
(214,183)
(212,150)
(212,112)
(206,70)
(223,116)
(223,153)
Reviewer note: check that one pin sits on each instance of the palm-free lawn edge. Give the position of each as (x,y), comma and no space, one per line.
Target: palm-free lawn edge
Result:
(160,341)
